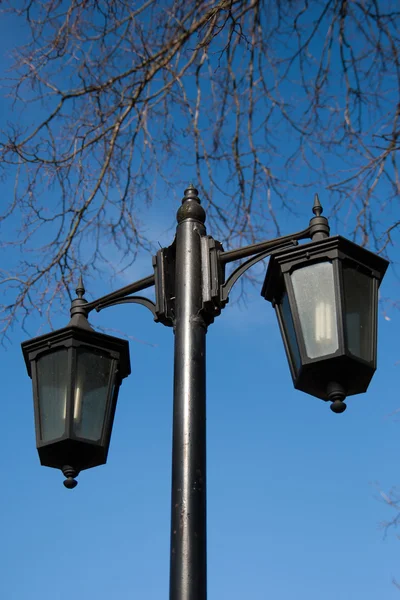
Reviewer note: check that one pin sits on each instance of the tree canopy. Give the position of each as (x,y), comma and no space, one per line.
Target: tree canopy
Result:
(113,103)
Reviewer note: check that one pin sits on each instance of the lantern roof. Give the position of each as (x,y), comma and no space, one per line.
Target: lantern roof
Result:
(87,337)
(286,259)
(80,330)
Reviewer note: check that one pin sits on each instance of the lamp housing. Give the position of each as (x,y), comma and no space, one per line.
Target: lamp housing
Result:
(76,374)
(325,294)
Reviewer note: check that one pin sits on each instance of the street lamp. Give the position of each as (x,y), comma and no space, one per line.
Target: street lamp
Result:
(325,296)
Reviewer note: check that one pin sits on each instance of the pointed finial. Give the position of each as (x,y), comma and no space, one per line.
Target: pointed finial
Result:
(78,311)
(319,226)
(80,289)
(317,208)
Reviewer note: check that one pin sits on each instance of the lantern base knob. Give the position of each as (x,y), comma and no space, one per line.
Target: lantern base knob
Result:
(338,406)
(70,483)
(336,395)
(70,474)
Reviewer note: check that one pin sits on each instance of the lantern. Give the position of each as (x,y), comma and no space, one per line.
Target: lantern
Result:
(76,374)
(325,294)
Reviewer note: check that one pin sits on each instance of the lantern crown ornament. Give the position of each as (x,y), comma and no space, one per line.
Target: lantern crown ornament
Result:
(76,374)
(325,294)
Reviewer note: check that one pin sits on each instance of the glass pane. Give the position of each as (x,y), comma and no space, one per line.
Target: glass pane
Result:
(358,289)
(90,399)
(314,291)
(52,374)
(290,332)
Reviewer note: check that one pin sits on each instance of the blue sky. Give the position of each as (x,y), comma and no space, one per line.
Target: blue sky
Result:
(294,506)
(293,490)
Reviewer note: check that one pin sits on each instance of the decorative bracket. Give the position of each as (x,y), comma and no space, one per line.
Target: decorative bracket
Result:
(213,273)
(212,276)
(164,278)
(130,300)
(238,272)
(215,290)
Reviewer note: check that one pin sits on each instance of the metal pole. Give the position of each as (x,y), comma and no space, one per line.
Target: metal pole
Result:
(188,569)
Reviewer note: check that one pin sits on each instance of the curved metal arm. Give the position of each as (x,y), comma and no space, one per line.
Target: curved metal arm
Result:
(232,279)
(129,300)
(270,245)
(109,299)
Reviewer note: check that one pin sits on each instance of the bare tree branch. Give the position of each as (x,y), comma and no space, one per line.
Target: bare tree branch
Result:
(110,100)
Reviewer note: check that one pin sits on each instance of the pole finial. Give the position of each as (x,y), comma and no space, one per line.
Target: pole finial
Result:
(191,206)
(317,208)
(191,194)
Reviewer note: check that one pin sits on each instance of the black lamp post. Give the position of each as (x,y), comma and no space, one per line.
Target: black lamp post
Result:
(325,296)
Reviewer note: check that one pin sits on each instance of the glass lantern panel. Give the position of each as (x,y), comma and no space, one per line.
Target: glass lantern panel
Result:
(288,324)
(314,291)
(90,398)
(52,378)
(358,301)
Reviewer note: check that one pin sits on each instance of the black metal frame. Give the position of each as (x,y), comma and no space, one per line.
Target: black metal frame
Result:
(190,291)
